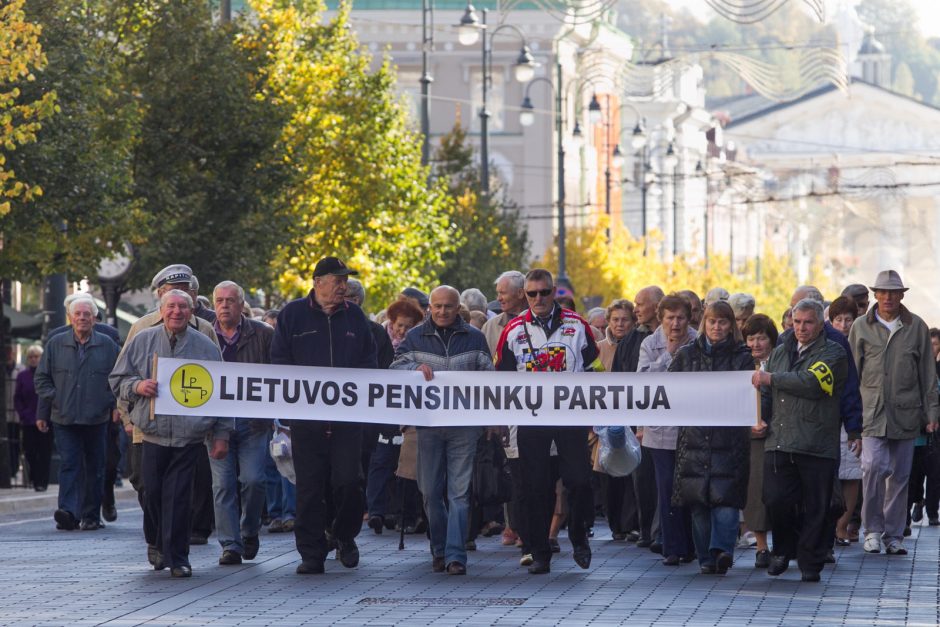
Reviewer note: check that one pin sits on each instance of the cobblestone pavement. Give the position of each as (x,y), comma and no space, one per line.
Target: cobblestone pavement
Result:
(51,577)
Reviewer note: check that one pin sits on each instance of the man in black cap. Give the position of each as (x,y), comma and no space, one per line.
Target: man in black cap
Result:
(326,330)
(858,293)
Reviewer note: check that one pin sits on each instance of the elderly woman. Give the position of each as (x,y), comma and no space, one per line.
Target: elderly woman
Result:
(656,354)
(620,320)
(712,462)
(760,335)
(842,313)
(37,445)
(743,306)
(474,300)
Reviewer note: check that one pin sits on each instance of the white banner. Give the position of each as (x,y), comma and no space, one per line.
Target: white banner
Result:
(232,390)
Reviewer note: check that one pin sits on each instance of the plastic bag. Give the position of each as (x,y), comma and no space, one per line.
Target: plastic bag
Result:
(618,450)
(282,454)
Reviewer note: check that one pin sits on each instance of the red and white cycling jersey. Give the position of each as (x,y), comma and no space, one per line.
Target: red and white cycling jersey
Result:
(524,345)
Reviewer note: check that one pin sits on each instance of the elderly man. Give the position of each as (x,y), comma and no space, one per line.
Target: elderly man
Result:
(510,293)
(326,330)
(172,444)
(176,276)
(858,293)
(548,338)
(800,394)
(696,304)
(238,480)
(445,454)
(73,378)
(895,362)
(743,307)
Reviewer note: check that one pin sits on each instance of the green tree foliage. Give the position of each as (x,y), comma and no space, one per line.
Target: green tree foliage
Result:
(357,187)
(82,155)
(204,166)
(495,239)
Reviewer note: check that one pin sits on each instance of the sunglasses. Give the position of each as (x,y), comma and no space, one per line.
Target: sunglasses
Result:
(546,292)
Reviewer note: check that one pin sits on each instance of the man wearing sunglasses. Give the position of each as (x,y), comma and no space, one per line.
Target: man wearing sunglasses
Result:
(547,338)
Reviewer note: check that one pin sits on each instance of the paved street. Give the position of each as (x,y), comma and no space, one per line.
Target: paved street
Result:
(51,577)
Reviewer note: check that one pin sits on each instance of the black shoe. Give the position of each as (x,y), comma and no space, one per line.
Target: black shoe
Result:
(553,545)
(64,520)
(685,559)
(230,558)
(470,545)
(91,525)
(195,539)
(422,526)
(671,560)
(376,525)
(643,543)
(618,536)
(723,562)
(633,536)
(181,571)
(830,557)
(655,547)
(251,544)
(539,567)
(918,514)
(437,565)
(276,526)
(933,522)
(809,576)
(348,553)
(907,532)
(582,555)
(391,523)
(109,514)
(762,560)
(707,569)
(41,488)
(456,568)
(310,568)
(155,558)
(778,565)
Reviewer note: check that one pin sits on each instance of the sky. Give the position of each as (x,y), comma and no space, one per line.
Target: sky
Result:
(927,20)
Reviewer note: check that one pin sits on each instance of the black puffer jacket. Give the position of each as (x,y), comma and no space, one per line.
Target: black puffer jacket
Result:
(712,463)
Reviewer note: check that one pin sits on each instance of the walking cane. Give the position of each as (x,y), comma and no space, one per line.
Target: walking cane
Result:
(401,517)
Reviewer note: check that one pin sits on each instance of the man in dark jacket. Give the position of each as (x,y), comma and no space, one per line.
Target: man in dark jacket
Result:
(73,378)
(325,330)
(445,454)
(635,506)
(800,394)
(238,480)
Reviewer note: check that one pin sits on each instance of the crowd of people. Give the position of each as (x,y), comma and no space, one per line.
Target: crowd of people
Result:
(841,451)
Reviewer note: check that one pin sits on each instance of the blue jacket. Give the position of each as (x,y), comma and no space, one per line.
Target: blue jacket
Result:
(306,336)
(77,389)
(850,402)
(460,347)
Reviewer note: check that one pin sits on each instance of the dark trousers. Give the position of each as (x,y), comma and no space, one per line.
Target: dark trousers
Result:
(926,467)
(135,453)
(13,439)
(675,522)
(37,448)
(81,471)
(168,476)
(382,467)
(539,494)
(517,515)
(621,505)
(111,463)
(797,493)
(644,489)
(326,459)
(203,508)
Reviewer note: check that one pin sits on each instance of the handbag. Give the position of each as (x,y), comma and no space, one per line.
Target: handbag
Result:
(618,450)
(282,453)
(492,483)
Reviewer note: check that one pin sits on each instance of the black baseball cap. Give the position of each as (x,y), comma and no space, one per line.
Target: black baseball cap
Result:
(332,265)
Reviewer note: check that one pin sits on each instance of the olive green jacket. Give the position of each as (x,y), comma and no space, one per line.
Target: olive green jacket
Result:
(801,405)
(897,376)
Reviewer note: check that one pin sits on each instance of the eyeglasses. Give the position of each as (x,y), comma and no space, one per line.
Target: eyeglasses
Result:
(533,293)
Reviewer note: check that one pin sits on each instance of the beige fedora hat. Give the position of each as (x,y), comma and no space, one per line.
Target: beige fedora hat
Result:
(889,280)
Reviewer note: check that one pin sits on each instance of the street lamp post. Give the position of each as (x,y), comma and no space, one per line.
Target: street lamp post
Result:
(469,31)
(673,158)
(427,42)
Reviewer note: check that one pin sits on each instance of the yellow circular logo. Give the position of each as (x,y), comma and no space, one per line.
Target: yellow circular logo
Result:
(191,385)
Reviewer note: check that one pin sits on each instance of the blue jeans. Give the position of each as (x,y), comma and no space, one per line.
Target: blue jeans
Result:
(445,460)
(244,464)
(714,530)
(673,519)
(281,493)
(83,449)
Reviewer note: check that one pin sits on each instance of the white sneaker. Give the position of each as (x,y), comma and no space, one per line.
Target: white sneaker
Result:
(872,543)
(896,547)
(526,560)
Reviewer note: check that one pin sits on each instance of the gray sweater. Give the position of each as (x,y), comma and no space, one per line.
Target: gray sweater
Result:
(135,363)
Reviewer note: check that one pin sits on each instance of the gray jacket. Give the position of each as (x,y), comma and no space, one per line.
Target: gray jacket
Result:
(77,388)
(135,364)
(464,349)
(655,358)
